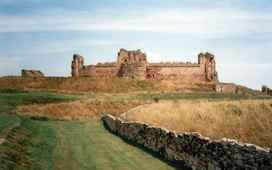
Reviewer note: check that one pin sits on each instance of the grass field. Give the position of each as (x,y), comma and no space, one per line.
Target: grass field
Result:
(96,104)
(82,84)
(43,144)
(35,133)
(246,120)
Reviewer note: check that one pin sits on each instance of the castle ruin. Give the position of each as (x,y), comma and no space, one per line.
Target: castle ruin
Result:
(134,64)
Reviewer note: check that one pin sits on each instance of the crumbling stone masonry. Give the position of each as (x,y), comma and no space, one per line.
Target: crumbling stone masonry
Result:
(227,88)
(32,73)
(134,64)
(198,152)
(266,90)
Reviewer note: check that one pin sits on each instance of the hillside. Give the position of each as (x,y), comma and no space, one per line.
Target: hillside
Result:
(109,85)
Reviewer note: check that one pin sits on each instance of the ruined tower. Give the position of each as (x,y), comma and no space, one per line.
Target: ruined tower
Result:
(132,64)
(208,66)
(77,65)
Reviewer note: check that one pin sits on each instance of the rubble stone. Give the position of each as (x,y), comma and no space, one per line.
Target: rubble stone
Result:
(32,73)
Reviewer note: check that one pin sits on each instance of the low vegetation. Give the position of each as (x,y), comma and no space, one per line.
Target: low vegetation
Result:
(78,110)
(10,98)
(246,120)
(33,134)
(41,143)
(104,85)
(21,139)
(81,84)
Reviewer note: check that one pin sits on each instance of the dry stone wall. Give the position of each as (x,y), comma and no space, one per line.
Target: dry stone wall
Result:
(195,151)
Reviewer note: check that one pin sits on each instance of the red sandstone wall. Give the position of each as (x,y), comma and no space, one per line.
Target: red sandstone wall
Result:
(187,73)
(134,64)
(107,71)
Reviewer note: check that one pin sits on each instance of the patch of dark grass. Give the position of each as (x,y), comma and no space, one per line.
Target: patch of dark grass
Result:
(156,99)
(11,90)
(40,118)
(9,99)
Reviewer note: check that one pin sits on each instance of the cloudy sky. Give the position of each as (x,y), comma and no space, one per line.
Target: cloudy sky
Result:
(44,34)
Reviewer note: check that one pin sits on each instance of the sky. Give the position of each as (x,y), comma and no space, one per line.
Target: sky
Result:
(44,34)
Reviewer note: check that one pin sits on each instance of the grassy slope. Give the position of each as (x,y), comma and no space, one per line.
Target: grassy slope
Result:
(36,144)
(246,120)
(102,84)
(93,106)
(82,84)
(20,135)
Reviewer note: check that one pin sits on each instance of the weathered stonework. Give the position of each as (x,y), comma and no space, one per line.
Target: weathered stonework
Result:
(134,64)
(266,90)
(226,88)
(32,73)
(198,152)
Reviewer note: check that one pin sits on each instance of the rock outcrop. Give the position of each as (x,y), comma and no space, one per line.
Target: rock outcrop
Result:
(194,150)
(32,73)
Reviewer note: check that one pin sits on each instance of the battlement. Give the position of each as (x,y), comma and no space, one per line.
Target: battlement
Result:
(134,64)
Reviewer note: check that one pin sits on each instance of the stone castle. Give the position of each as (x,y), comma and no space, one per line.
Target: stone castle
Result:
(134,64)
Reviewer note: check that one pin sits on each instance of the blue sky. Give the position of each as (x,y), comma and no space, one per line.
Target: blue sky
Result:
(44,34)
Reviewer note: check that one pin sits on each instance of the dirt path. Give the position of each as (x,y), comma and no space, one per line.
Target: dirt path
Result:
(89,146)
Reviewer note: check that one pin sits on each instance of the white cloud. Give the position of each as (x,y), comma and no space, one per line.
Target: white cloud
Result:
(207,22)
(251,75)
(62,46)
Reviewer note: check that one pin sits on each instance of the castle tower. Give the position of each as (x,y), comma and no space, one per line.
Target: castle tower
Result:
(77,65)
(125,56)
(132,64)
(208,66)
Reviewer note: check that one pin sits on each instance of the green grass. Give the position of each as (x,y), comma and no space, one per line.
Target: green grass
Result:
(87,145)
(25,140)
(74,145)
(7,121)
(44,145)
(9,99)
